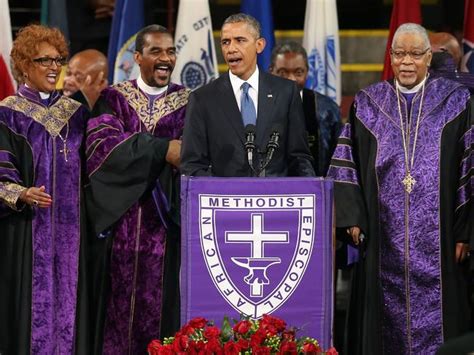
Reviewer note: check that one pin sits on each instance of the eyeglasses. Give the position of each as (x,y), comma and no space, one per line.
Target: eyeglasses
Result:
(416,55)
(47,61)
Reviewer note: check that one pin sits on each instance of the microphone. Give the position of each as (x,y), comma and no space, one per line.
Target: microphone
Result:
(272,145)
(250,144)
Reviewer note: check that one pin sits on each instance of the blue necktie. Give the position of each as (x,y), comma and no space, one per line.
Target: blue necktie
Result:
(247,108)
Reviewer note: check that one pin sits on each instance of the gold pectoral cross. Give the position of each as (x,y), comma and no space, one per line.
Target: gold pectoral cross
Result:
(65,151)
(408,181)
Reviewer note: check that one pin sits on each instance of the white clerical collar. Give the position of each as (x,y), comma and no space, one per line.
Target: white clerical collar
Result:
(413,90)
(43,95)
(150,90)
(236,82)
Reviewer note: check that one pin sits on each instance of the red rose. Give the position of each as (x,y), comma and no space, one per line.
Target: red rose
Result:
(242,327)
(211,332)
(196,348)
(288,348)
(288,335)
(213,346)
(231,348)
(244,344)
(310,348)
(154,347)
(272,323)
(180,343)
(166,350)
(198,322)
(187,330)
(332,351)
(261,350)
(257,338)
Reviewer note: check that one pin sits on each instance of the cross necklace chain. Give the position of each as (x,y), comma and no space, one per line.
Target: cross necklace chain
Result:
(65,149)
(409,181)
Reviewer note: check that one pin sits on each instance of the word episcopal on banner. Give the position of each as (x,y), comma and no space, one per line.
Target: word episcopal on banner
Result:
(258,246)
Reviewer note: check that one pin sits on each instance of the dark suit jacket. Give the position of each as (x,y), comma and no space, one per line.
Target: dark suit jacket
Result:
(214,133)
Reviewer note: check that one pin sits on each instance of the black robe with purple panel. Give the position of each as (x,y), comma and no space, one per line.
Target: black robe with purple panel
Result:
(127,141)
(408,293)
(41,248)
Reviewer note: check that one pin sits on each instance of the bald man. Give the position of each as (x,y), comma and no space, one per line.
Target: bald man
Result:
(446,42)
(86,76)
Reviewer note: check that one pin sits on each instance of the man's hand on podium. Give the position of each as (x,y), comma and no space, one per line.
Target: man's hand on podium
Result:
(174,151)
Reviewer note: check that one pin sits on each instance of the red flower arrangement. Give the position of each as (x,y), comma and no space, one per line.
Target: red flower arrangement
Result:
(266,336)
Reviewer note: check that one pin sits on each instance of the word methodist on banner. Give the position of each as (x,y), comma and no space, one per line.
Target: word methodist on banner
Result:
(257,246)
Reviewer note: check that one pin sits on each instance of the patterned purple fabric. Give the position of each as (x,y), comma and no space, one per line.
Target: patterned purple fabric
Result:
(410,265)
(55,230)
(134,307)
(345,173)
(465,190)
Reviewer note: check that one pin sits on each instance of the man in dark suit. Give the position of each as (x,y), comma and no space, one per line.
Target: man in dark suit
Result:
(217,114)
(322,115)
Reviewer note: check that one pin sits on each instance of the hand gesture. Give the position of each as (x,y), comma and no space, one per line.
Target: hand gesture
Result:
(174,151)
(462,252)
(36,197)
(354,233)
(92,88)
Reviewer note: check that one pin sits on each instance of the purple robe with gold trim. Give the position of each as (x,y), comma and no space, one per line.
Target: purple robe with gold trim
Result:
(40,247)
(125,159)
(408,293)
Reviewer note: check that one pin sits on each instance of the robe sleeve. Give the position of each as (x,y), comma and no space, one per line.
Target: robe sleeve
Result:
(464,213)
(122,165)
(345,171)
(11,182)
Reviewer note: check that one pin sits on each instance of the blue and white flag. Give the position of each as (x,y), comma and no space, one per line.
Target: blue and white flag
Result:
(196,62)
(127,21)
(262,11)
(321,41)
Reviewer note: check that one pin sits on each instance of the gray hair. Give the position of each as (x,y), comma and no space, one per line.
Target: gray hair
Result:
(249,20)
(412,28)
(289,47)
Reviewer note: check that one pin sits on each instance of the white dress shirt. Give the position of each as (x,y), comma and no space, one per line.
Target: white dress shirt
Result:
(236,83)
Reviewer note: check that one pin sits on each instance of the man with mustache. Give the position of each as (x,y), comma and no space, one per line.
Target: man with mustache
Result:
(132,152)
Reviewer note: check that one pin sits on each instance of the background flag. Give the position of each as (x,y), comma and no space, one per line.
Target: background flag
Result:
(403,11)
(321,41)
(7,85)
(196,62)
(468,41)
(128,19)
(54,14)
(262,11)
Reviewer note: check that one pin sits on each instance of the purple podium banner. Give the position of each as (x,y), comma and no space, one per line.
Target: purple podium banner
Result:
(259,246)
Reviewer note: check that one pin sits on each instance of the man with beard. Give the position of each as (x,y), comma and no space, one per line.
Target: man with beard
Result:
(86,77)
(134,132)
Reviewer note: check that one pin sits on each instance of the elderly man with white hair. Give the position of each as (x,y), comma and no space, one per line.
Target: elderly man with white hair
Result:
(403,171)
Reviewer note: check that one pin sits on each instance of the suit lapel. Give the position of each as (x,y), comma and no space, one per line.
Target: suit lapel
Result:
(226,100)
(266,100)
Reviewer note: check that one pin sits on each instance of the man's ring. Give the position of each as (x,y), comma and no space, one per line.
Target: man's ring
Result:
(35,202)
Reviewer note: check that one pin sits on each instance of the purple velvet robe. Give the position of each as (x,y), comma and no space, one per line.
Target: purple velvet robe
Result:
(39,247)
(408,292)
(133,311)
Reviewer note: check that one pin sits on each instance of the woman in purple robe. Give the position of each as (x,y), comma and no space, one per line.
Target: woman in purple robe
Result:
(403,179)
(134,127)
(41,135)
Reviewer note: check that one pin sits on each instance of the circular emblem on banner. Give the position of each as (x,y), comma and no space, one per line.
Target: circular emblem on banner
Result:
(125,66)
(316,75)
(193,75)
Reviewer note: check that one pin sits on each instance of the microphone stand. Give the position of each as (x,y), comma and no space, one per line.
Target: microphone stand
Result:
(250,145)
(272,145)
